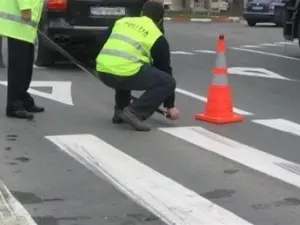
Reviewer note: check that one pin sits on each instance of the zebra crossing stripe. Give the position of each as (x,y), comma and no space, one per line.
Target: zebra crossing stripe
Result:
(248,156)
(12,212)
(281,125)
(250,46)
(268,44)
(165,198)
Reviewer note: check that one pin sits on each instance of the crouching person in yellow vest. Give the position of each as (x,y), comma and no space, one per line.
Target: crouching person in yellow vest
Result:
(19,21)
(136,56)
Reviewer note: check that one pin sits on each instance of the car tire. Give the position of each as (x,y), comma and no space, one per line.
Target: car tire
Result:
(43,55)
(251,23)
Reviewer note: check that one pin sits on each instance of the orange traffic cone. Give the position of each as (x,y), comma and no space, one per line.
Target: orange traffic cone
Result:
(219,106)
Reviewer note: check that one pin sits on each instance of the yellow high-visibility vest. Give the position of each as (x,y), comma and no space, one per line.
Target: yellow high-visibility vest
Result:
(128,47)
(11,23)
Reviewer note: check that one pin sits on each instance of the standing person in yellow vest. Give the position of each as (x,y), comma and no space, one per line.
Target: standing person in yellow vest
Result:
(1,53)
(19,21)
(136,56)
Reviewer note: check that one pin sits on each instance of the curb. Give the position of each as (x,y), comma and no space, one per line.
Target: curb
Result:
(205,20)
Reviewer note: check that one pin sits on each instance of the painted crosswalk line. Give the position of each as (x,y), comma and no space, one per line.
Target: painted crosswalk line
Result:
(248,156)
(205,51)
(266,45)
(165,198)
(182,53)
(11,211)
(264,53)
(281,125)
(256,72)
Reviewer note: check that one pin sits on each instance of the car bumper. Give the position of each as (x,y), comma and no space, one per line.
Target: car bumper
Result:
(259,17)
(78,39)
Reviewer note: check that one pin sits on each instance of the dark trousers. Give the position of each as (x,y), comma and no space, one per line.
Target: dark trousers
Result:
(157,84)
(19,73)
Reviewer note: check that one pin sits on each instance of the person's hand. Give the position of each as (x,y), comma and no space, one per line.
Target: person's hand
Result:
(26,14)
(174,113)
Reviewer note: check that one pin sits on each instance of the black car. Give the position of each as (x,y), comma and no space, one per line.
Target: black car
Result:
(77,26)
(263,11)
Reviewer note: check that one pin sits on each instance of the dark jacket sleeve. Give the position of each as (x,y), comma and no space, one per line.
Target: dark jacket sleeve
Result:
(160,53)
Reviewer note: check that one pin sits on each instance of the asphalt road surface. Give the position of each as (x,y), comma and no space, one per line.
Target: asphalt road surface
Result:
(72,166)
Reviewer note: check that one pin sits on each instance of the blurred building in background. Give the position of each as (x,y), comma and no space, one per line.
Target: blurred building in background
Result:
(205,5)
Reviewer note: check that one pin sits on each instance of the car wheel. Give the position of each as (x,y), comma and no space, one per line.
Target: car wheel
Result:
(43,55)
(251,23)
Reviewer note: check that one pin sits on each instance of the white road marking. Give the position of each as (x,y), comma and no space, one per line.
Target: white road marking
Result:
(268,44)
(205,51)
(281,125)
(181,53)
(165,198)
(250,46)
(61,90)
(11,211)
(263,162)
(204,99)
(255,72)
(282,43)
(264,53)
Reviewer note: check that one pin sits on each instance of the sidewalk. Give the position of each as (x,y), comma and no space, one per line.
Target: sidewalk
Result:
(203,17)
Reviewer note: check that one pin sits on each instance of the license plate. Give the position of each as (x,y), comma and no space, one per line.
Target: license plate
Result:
(257,7)
(107,11)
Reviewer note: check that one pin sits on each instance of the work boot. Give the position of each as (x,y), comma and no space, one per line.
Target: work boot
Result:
(116,118)
(31,107)
(128,116)
(2,65)
(19,114)
(34,109)
(16,110)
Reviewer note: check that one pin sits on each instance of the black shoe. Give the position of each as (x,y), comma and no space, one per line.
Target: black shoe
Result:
(19,114)
(128,116)
(2,65)
(116,118)
(35,109)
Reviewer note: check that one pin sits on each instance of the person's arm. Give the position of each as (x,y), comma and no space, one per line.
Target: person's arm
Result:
(161,56)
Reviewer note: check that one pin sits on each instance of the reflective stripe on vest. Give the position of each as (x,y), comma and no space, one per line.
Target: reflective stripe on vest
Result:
(126,55)
(130,41)
(17,19)
(120,54)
